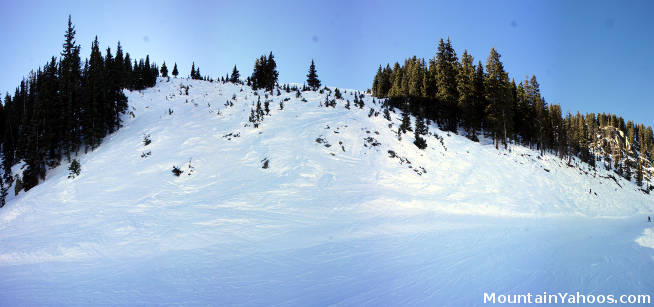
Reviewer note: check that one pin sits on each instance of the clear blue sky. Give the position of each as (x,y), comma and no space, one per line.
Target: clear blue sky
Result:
(591,56)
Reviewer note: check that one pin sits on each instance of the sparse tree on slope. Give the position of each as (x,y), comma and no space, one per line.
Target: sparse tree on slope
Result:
(175,71)
(235,76)
(164,70)
(312,77)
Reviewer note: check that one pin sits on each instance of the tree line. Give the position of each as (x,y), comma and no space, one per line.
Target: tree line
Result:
(457,93)
(67,105)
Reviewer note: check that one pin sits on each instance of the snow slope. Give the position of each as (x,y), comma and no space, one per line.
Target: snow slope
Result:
(345,213)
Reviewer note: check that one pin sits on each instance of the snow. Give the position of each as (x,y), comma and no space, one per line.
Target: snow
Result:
(334,220)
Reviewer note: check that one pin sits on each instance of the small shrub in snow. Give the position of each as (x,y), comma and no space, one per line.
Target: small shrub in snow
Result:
(191,169)
(177,171)
(3,192)
(74,169)
(19,186)
(146,140)
(337,94)
(266,163)
(420,142)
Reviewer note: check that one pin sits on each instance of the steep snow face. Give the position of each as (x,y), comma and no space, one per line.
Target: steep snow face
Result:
(316,205)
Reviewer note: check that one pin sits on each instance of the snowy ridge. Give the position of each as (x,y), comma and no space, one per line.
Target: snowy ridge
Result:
(333,175)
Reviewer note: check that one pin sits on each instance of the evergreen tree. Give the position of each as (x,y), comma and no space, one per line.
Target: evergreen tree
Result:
(466,90)
(4,187)
(497,95)
(164,70)
(119,66)
(117,101)
(429,81)
(639,174)
(396,89)
(3,192)
(312,77)
(69,92)
(446,72)
(198,76)
(265,73)
(386,81)
(235,78)
(175,71)
(420,130)
(94,97)
(193,71)
(416,73)
(271,73)
(376,83)
(128,72)
(259,111)
(406,121)
(479,96)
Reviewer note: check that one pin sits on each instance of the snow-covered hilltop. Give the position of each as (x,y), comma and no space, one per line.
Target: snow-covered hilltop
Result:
(317,205)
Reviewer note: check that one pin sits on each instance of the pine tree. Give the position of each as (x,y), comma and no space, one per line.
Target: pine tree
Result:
(127,72)
(259,110)
(420,130)
(119,67)
(74,169)
(416,74)
(4,187)
(627,172)
(3,192)
(265,73)
(466,90)
(94,97)
(164,70)
(69,92)
(193,74)
(271,72)
(396,89)
(429,82)
(497,95)
(377,83)
(175,71)
(386,82)
(117,100)
(446,72)
(235,78)
(312,77)
(479,96)
(639,174)
(406,121)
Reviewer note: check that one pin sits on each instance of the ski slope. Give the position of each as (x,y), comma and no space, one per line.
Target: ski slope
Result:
(344,214)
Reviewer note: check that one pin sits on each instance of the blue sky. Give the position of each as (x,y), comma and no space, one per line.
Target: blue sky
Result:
(591,56)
